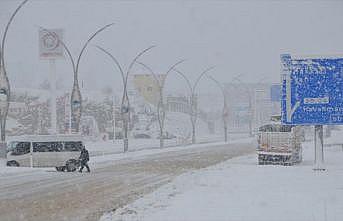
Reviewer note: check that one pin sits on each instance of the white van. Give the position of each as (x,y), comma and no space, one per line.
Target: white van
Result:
(59,151)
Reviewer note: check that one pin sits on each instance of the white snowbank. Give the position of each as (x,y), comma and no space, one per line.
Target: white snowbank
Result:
(239,189)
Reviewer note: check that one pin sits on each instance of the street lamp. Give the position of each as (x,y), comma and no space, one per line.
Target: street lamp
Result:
(193,103)
(76,98)
(250,104)
(4,84)
(250,101)
(161,112)
(125,104)
(225,108)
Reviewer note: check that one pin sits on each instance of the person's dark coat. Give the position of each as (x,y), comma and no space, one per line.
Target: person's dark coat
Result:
(84,156)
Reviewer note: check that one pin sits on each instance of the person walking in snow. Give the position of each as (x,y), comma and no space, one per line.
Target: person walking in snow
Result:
(84,158)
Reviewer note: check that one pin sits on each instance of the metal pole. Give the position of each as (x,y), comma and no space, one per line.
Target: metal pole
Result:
(193,117)
(126,127)
(70,113)
(225,131)
(193,107)
(114,119)
(53,110)
(161,112)
(318,148)
(125,104)
(225,109)
(250,115)
(5,86)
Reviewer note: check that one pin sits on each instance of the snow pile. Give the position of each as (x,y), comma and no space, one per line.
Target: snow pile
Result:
(241,190)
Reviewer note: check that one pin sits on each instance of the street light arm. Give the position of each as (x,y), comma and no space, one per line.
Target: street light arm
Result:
(87,42)
(218,84)
(246,88)
(115,61)
(63,45)
(135,59)
(6,30)
(151,72)
(200,76)
(184,77)
(171,68)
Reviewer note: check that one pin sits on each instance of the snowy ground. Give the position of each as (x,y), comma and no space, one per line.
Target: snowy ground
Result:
(104,153)
(239,189)
(41,194)
(110,147)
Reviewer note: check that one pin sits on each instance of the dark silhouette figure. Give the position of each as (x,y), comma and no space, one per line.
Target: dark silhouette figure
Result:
(84,158)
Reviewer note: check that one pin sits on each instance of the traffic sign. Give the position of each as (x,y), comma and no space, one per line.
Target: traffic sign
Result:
(312,91)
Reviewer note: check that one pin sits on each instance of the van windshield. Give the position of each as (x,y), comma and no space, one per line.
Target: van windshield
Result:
(19,148)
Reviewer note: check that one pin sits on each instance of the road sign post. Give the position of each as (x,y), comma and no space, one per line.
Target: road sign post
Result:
(51,49)
(318,148)
(312,94)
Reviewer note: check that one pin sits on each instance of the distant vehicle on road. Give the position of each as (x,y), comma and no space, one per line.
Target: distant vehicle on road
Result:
(59,151)
(279,144)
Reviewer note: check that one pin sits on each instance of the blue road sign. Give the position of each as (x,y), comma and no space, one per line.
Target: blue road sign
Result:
(312,91)
(275,93)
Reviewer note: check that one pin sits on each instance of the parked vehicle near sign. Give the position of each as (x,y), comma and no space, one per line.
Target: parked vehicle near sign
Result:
(279,144)
(59,151)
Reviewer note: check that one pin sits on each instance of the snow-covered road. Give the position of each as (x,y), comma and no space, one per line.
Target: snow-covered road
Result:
(239,189)
(43,194)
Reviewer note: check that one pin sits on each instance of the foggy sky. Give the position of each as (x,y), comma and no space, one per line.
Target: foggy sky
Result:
(237,37)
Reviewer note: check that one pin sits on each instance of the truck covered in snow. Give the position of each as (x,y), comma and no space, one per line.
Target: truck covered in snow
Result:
(279,144)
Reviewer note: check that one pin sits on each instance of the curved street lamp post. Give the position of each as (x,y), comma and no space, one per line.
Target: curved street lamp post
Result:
(76,98)
(193,98)
(250,101)
(225,108)
(161,111)
(125,104)
(5,85)
(250,105)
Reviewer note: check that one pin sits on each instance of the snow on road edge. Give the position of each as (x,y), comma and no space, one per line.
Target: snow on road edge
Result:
(241,190)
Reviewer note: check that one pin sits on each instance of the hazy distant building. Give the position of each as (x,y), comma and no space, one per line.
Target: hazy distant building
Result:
(250,101)
(147,87)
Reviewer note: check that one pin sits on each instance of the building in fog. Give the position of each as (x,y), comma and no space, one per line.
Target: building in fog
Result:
(250,102)
(147,87)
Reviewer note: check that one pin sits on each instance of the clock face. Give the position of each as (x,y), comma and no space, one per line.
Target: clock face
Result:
(50,41)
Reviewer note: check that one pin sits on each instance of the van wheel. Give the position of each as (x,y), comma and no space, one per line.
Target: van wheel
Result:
(12,163)
(60,169)
(71,165)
